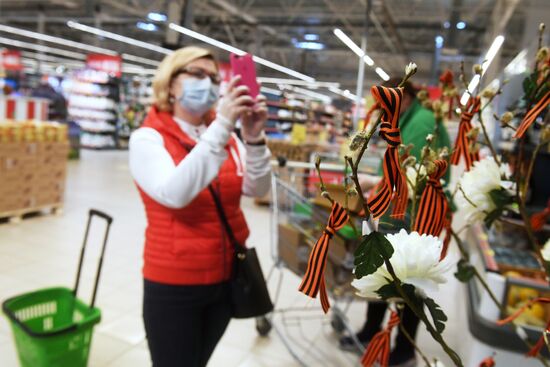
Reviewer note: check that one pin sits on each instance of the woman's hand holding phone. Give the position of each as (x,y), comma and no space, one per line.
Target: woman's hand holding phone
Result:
(253,122)
(236,102)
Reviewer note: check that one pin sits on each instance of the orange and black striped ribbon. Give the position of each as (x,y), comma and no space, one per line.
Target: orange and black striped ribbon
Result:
(539,219)
(393,180)
(378,349)
(432,210)
(314,280)
(535,350)
(532,114)
(488,362)
(448,228)
(462,144)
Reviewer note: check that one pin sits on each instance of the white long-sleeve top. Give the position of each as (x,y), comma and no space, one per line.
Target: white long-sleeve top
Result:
(175,186)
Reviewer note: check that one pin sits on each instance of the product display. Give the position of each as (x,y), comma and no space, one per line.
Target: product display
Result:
(33,161)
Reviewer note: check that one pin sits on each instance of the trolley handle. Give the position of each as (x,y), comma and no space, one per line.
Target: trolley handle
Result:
(109,220)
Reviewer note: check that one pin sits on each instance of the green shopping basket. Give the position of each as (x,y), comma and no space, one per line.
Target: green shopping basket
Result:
(52,327)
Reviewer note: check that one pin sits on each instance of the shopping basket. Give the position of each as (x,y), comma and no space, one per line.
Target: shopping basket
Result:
(52,327)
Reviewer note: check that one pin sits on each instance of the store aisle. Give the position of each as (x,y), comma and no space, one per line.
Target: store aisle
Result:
(42,251)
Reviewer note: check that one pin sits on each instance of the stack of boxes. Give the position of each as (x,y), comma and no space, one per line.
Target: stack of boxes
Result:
(33,166)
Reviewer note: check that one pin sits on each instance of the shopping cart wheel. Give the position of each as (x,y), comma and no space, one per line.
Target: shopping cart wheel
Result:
(337,323)
(263,325)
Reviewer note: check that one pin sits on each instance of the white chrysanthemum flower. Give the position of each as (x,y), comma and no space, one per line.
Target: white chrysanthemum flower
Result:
(546,251)
(411,176)
(415,261)
(484,177)
(411,68)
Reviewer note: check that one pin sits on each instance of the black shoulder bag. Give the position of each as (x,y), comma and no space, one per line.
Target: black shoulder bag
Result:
(249,294)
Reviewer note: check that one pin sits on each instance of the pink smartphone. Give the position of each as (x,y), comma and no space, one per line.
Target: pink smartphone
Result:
(244,66)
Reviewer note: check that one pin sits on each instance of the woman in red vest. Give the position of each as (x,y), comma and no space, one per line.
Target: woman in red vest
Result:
(183,147)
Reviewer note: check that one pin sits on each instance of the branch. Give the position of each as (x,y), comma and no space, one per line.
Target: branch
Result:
(531,165)
(413,343)
(487,139)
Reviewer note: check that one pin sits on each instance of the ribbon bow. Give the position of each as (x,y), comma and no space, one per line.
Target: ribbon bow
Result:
(314,279)
(447,79)
(540,343)
(433,205)
(462,144)
(379,346)
(394,180)
(532,114)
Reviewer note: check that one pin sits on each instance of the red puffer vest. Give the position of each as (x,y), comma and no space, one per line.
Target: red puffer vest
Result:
(189,246)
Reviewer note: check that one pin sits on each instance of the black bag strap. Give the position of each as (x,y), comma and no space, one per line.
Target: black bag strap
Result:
(219,209)
(223,219)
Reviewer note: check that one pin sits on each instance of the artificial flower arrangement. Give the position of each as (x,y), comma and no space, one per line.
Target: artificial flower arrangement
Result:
(403,268)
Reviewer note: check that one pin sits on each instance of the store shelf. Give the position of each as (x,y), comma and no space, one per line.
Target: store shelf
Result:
(291,119)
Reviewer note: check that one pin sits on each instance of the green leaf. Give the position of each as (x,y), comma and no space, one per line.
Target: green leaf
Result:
(529,84)
(465,271)
(370,254)
(501,198)
(388,291)
(437,313)
(492,217)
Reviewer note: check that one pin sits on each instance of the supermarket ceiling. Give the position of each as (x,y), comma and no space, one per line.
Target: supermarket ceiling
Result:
(298,34)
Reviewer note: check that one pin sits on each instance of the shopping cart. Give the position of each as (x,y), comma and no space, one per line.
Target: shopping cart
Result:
(297,221)
(52,327)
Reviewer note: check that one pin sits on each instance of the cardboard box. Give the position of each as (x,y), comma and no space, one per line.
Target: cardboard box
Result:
(293,248)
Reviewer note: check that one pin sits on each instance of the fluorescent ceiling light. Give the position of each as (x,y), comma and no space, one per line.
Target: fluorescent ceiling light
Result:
(61,41)
(297,82)
(311,37)
(460,25)
(225,46)
(42,57)
(67,53)
(309,45)
(311,94)
(271,91)
(140,59)
(157,17)
(41,48)
(118,37)
(439,41)
(150,27)
(353,46)
(345,93)
(382,73)
(488,59)
(447,25)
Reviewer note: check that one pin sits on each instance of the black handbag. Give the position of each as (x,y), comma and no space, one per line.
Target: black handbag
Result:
(249,294)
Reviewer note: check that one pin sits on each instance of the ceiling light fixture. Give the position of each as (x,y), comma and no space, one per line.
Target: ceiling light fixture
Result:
(52,39)
(487,60)
(353,46)
(157,17)
(140,59)
(265,80)
(225,46)
(118,37)
(382,73)
(271,91)
(41,48)
(345,93)
(149,27)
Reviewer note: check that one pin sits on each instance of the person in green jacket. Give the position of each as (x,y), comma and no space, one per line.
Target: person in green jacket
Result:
(415,123)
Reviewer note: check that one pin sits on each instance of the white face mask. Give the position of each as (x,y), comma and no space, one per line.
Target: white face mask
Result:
(199,95)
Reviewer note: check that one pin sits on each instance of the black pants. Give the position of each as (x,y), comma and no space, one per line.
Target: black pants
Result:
(184,323)
(375,315)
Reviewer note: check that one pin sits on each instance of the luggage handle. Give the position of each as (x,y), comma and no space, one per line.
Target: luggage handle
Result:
(109,220)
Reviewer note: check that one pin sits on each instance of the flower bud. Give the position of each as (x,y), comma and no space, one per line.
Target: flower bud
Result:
(325,194)
(317,160)
(429,138)
(541,27)
(542,54)
(427,104)
(478,69)
(409,161)
(488,93)
(422,95)
(352,192)
(444,153)
(410,69)
(545,134)
(506,117)
(472,134)
(430,167)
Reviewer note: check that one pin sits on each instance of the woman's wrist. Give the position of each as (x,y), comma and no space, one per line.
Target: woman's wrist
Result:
(254,140)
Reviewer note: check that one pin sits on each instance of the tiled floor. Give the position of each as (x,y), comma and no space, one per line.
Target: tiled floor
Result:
(43,251)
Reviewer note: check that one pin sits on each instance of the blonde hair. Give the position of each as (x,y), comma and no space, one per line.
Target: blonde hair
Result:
(169,66)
